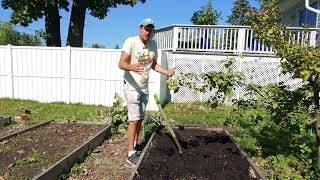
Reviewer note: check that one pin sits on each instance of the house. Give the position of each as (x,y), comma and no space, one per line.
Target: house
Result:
(294,13)
(204,48)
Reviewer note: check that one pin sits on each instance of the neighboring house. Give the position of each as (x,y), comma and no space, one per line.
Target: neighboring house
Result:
(294,13)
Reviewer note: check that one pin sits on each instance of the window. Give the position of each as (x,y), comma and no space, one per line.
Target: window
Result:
(309,17)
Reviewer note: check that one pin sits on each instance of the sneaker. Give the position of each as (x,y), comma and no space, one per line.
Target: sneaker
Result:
(133,159)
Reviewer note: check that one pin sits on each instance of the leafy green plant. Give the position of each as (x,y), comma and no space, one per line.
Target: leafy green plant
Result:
(118,116)
(152,123)
(223,82)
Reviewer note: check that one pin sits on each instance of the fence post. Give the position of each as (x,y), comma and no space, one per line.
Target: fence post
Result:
(313,38)
(68,74)
(10,74)
(175,38)
(278,71)
(202,71)
(241,40)
(240,70)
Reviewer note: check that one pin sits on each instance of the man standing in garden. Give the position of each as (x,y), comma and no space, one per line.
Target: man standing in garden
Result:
(139,55)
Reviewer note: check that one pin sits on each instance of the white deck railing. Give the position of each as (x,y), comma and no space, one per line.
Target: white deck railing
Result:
(233,39)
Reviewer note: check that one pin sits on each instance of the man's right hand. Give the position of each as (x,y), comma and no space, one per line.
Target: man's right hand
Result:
(137,67)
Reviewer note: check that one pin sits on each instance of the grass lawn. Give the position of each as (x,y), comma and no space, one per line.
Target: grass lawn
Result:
(197,113)
(42,112)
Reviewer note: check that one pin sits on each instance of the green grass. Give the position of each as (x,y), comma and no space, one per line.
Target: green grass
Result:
(197,113)
(42,112)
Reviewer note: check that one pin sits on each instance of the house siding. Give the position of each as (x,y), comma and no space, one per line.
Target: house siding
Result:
(290,13)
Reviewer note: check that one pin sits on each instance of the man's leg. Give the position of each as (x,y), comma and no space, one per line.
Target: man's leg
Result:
(132,131)
(136,139)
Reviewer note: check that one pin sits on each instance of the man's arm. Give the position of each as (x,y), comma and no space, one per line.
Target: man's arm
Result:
(157,67)
(124,64)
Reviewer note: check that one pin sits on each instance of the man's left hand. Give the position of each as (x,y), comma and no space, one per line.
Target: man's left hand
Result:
(171,72)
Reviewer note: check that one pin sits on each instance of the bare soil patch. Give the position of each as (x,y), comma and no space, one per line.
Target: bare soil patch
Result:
(12,128)
(207,155)
(30,153)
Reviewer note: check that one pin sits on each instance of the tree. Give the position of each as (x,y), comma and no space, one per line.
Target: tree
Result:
(8,35)
(97,8)
(241,13)
(96,45)
(117,46)
(26,11)
(302,62)
(206,16)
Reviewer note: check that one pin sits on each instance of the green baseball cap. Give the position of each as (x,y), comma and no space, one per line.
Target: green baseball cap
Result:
(147,22)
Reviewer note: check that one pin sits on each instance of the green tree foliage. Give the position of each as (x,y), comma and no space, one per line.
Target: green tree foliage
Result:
(96,8)
(27,11)
(206,16)
(8,35)
(96,45)
(302,62)
(241,13)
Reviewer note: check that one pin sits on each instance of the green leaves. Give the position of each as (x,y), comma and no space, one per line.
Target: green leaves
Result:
(8,35)
(206,16)
(25,12)
(241,13)
(223,82)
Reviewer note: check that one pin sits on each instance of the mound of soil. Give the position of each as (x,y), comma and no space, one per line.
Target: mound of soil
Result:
(206,155)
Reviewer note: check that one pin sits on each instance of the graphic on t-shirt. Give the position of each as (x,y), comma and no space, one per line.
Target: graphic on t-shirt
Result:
(145,58)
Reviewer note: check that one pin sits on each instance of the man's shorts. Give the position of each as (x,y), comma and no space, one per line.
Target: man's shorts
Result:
(136,103)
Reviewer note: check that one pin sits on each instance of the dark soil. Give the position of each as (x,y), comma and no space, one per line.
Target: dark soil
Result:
(30,153)
(206,155)
(4,131)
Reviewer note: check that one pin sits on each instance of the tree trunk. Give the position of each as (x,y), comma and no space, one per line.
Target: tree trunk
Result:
(76,26)
(52,24)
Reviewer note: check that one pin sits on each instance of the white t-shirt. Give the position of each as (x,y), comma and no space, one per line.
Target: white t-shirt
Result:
(143,53)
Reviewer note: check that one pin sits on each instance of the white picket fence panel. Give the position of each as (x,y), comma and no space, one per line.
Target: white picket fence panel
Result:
(64,74)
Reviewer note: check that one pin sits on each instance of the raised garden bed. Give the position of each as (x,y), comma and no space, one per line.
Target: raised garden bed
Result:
(48,150)
(207,154)
(12,128)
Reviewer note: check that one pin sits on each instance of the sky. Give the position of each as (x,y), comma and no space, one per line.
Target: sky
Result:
(123,21)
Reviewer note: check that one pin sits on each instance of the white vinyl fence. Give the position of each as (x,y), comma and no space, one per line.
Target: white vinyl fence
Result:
(92,76)
(64,74)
